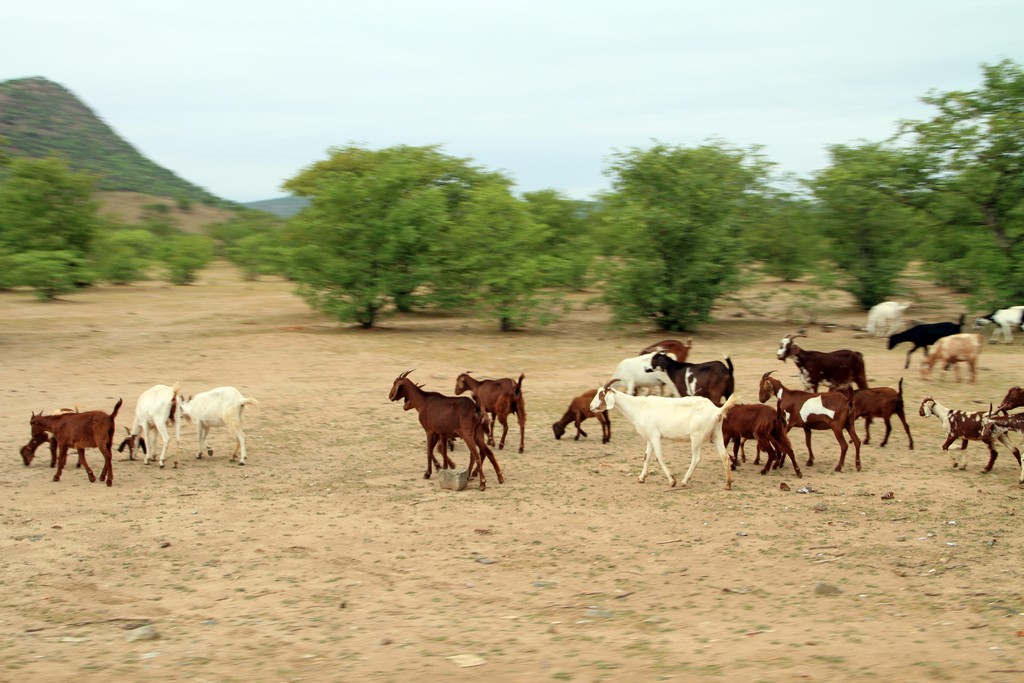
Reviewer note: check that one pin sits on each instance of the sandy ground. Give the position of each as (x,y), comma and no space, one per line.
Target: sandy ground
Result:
(329,558)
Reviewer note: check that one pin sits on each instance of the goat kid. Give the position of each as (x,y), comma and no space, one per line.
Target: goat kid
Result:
(657,417)
(956,348)
(154,410)
(578,411)
(671,347)
(963,426)
(91,429)
(635,373)
(882,403)
(220,407)
(500,398)
(999,427)
(763,424)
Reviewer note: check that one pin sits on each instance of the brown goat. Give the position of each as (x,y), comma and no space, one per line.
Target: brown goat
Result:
(444,417)
(91,429)
(953,349)
(881,402)
(834,369)
(671,347)
(808,410)
(499,397)
(1014,399)
(763,424)
(579,410)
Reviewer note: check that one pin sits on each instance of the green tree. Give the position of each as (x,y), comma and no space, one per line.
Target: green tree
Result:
(373,235)
(867,216)
(570,242)
(499,260)
(974,150)
(786,240)
(183,256)
(124,255)
(677,214)
(46,207)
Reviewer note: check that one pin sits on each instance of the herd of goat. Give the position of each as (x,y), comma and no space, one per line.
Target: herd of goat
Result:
(701,406)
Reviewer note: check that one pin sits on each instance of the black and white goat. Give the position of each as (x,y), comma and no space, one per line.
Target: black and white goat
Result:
(924,335)
(712,380)
(1003,319)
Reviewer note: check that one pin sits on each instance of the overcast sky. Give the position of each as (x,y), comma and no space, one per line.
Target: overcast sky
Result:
(237,97)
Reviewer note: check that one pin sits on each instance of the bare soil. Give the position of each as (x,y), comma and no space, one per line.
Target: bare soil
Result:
(328,557)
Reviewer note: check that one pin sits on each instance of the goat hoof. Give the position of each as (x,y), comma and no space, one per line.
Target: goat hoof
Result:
(241,462)
(673,480)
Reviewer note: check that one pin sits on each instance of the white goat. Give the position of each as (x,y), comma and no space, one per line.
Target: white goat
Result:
(154,409)
(886,319)
(635,373)
(656,417)
(1004,318)
(220,407)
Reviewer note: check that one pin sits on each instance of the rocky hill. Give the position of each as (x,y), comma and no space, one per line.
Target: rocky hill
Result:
(40,118)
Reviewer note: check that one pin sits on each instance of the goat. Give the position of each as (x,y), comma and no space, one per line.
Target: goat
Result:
(886,317)
(808,410)
(763,424)
(998,427)
(953,349)
(1014,399)
(155,408)
(881,402)
(443,417)
(713,380)
(499,397)
(91,429)
(657,417)
(924,335)
(835,369)
(220,407)
(960,424)
(671,347)
(1003,319)
(635,373)
(578,411)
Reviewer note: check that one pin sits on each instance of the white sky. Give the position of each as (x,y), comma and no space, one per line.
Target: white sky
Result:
(239,96)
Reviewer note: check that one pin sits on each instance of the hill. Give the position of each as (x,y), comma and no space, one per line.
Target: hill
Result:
(40,118)
(285,207)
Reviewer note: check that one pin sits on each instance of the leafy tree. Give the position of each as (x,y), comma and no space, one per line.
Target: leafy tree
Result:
(569,237)
(50,273)
(498,257)
(259,254)
(183,256)
(974,148)
(786,241)
(46,206)
(374,232)
(124,255)
(676,212)
(866,217)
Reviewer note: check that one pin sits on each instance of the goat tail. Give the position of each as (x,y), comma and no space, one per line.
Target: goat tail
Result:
(727,406)
(250,402)
(519,384)
(117,407)
(728,363)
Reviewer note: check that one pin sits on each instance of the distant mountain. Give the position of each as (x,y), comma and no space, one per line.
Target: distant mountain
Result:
(41,118)
(285,207)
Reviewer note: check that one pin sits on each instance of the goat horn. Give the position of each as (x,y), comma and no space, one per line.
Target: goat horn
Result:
(405,373)
(610,382)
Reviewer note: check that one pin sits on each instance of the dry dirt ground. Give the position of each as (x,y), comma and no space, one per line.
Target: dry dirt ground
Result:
(329,558)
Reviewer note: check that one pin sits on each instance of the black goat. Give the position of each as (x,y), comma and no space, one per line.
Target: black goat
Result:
(924,335)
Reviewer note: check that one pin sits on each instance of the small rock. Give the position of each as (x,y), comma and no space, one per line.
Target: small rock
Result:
(783,486)
(485,560)
(453,480)
(467,660)
(146,632)
(888,495)
(826,589)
